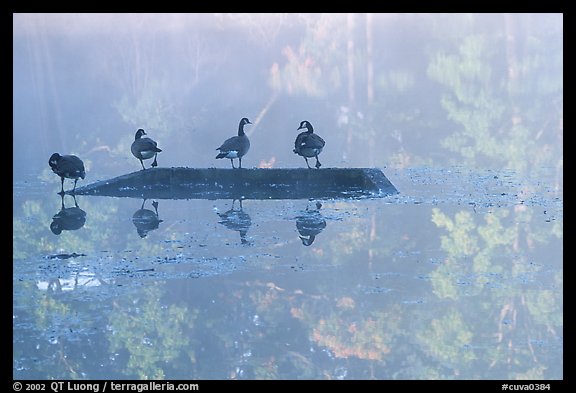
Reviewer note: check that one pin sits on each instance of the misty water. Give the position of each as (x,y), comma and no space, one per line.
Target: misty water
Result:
(458,276)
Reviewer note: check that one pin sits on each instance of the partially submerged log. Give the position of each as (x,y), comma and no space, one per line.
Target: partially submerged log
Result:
(216,183)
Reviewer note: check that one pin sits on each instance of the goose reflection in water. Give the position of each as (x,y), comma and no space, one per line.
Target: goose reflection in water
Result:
(146,220)
(310,224)
(236,220)
(68,218)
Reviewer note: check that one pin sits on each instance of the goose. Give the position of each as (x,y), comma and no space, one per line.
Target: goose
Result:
(237,146)
(68,218)
(308,144)
(310,224)
(68,166)
(236,220)
(144,148)
(146,220)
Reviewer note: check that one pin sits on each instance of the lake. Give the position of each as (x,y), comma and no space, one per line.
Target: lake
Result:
(458,276)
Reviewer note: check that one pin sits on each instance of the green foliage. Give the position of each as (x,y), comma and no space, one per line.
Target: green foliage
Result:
(508,112)
(151,109)
(545,307)
(446,340)
(151,333)
(461,242)
(314,67)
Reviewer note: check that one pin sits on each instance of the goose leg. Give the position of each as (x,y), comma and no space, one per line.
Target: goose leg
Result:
(74,189)
(142,164)
(318,165)
(240,162)
(62,186)
(155,164)
(307,163)
(232,161)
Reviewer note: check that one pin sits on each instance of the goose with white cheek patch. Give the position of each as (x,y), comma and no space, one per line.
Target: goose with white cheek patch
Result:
(308,144)
(144,148)
(237,146)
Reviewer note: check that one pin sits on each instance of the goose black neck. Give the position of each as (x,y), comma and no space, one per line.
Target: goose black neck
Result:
(241,129)
(310,129)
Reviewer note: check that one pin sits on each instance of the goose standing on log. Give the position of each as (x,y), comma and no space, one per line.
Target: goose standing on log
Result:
(69,166)
(237,146)
(144,148)
(308,144)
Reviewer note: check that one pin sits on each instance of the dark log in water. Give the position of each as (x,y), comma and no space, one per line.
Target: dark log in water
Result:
(215,183)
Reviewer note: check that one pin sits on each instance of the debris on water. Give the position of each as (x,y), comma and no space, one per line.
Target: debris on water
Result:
(64,256)
(128,271)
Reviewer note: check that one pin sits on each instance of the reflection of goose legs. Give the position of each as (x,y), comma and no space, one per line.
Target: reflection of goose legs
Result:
(62,187)
(236,219)
(239,201)
(62,200)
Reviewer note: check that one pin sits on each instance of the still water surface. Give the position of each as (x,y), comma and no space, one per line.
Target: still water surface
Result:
(459,276)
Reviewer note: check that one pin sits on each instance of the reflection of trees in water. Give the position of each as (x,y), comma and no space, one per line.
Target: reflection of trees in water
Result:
(151,334)
(496,260)
(329,328)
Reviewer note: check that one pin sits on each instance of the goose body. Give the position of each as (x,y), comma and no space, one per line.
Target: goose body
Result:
(146,220)
(310,224)
(67,167)
(236,146)
(144,148)
(308,144)
(236,220)
(68,218)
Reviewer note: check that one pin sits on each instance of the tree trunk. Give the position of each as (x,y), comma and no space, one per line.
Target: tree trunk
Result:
(513,68)
(370,87)
(351,87)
